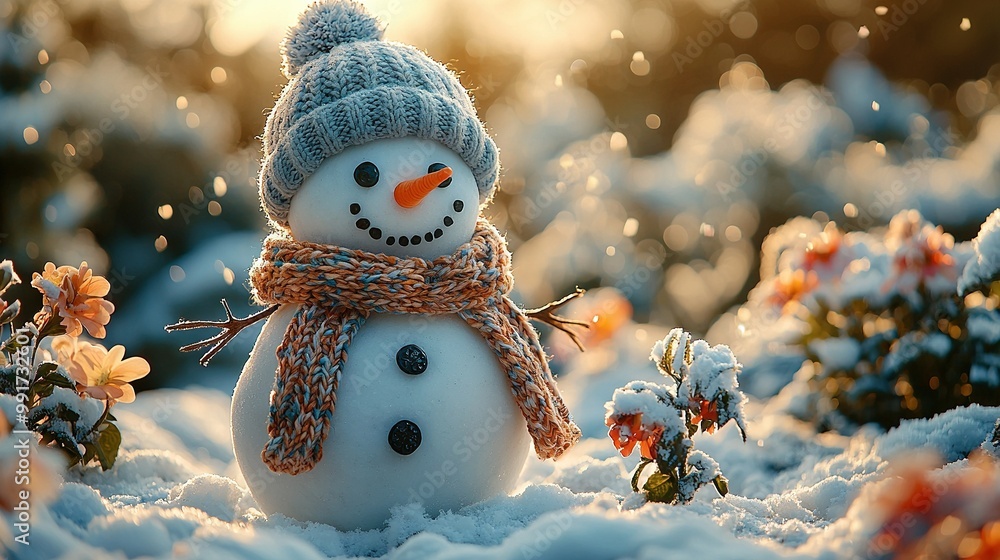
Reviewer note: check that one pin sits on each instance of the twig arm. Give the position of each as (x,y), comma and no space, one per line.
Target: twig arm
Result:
(230,327)
(546,314)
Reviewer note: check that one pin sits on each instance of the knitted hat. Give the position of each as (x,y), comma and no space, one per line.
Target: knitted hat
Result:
(348,87)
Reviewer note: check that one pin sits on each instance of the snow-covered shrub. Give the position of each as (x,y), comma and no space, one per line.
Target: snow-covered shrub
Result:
(881,317)
(947,513)
(702,393)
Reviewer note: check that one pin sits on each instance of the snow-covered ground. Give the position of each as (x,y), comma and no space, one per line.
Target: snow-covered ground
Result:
(176,490)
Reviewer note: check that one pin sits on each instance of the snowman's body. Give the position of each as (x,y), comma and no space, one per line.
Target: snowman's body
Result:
(433,371)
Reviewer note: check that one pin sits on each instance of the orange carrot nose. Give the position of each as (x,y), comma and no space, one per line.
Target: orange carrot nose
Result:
(408,194)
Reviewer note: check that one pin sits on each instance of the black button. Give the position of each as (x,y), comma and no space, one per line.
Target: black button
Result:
(411,359)
(404,437)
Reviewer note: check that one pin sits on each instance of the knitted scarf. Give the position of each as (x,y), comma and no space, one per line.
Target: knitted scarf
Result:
(336,289)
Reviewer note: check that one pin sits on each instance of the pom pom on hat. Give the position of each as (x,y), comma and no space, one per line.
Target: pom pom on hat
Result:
(347,87)
(323,27)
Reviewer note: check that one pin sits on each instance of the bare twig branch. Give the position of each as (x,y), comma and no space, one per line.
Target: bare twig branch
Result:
(230,327)
(546,314)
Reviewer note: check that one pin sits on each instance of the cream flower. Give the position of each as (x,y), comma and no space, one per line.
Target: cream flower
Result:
(102,373)
(77,356)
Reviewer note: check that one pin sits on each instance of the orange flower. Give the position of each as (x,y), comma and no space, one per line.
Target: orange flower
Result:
(635,433)
(610,311)
(790,286)
(823,249)
(103,374)
(77,296)
(929,254)
(707,411)
(922,254)
(989,542)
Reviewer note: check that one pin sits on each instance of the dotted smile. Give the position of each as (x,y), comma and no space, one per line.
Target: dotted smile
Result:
(364,224)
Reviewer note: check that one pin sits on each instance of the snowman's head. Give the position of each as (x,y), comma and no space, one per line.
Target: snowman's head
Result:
(398,196)
(356,147)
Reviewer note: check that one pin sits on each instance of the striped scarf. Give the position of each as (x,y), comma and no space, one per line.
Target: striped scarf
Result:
(336,289)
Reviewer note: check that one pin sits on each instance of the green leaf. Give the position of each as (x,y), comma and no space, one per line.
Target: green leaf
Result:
(42,389)
(46,368)
(66,413)
(59,381)
(108,442)
(661,488)
(90,452)
(638,471)
(721,484)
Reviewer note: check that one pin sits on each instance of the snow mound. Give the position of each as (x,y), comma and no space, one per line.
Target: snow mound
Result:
(176,493)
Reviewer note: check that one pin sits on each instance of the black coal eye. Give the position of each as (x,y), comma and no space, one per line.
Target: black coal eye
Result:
(366,174)
(437,167)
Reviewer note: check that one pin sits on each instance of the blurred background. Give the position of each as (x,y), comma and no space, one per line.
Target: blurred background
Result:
(648,146)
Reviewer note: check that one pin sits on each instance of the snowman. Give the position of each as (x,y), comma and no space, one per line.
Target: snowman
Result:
(392,368)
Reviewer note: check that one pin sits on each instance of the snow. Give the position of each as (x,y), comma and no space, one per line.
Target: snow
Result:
(985,267)
(654,402)
(911,346)
(984,326)
(176,492)
(992,443)
(836,353)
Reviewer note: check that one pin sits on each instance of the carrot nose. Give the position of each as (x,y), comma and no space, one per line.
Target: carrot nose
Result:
(408,194)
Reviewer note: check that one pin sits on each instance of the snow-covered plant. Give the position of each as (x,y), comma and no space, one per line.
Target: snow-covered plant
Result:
(702,393)
(899,322)
(930,513)
(65,392)
(992,443)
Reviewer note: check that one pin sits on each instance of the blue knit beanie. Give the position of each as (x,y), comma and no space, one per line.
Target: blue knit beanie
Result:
(348,87)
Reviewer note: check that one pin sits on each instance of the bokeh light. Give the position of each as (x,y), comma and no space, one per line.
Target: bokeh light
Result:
(647,147)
